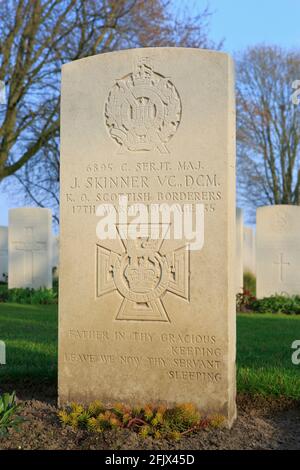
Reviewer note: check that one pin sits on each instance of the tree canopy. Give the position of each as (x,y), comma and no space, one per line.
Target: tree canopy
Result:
(37,37)
(268,127)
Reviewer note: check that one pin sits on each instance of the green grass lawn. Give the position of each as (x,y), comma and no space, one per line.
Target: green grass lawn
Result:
(264,353)
(263,348)
(30,334)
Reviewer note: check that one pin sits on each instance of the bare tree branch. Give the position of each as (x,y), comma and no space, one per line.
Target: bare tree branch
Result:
(37,37)
(268,127)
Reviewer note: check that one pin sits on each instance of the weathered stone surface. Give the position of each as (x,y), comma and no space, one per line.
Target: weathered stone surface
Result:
(156,125)
(3,253)
(30,248)
(278,250)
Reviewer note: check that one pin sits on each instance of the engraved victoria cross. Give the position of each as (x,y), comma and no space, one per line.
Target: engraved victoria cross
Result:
(142,275)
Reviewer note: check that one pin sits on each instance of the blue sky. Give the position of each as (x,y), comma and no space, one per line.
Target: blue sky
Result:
(240,23)
(243,23)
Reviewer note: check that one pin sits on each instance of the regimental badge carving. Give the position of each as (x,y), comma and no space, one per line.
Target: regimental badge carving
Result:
(143,110)
(142,275)
(280,222)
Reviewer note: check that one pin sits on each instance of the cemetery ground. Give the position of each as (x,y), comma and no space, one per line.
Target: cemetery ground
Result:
(267,381)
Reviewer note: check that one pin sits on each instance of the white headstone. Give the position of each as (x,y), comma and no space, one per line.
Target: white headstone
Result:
(30,248)
(277,250)
(239,250)
(3,253)
(55,255)
(137,122)
(249,250)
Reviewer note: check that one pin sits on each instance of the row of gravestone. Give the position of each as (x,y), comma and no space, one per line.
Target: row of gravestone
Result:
(28,250)
(275,256)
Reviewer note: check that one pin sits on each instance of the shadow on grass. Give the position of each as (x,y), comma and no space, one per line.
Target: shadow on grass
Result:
(32,323)
(30,335)
(29,360)
(264,354)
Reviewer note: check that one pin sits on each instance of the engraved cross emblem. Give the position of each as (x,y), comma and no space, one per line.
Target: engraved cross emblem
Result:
(142,274)
(281,265)
(29,246)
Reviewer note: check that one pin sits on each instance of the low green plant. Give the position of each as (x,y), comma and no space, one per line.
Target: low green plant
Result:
(40,296)
(44,297)
(4,278)
(277,304)
(155,421)
(55,286)
(8,413)
(3,293)
(244,301)
(250,283)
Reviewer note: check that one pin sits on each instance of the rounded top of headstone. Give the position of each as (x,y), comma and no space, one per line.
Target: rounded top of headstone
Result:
(28,210)
(279,219)
(279,207)
(209,53)
(30,214)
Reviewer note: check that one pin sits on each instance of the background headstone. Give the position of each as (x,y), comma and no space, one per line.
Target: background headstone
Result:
(55,256)
(277,250)
(239,250)
(3,253)
(157,125)
(30,248)
(2,353)
(249,250)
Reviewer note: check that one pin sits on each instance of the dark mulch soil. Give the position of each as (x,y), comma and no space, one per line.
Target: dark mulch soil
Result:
(262,423)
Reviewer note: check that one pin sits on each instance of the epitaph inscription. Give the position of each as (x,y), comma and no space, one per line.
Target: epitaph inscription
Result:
(195,357)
